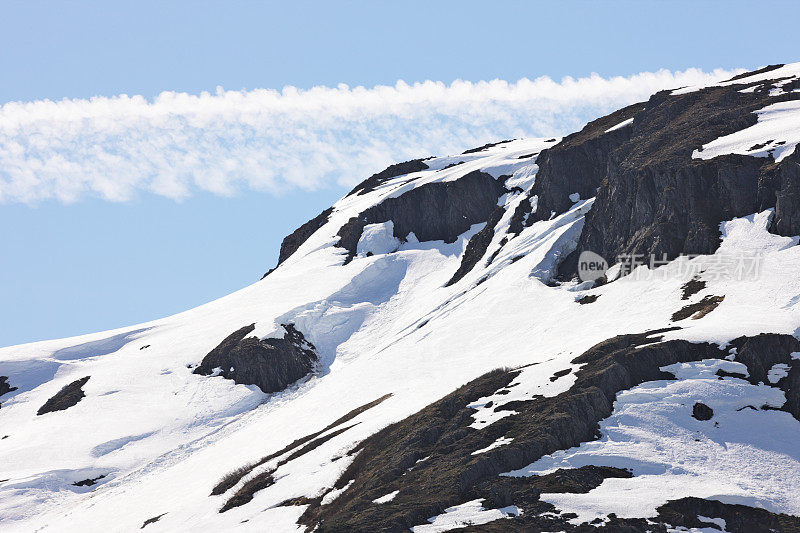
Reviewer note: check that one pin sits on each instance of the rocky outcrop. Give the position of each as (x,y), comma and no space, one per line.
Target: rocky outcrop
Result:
(67,397)
(701,411)
(699,309)
(451,475)
(5,387)
(392,171)
(485,147)
(685,514)
(578,164)
(88,482)
(477,246)
(653,198)
(292,242)
(298,447)
(152,520)
(786,179)
(270,364)
(761,353)
(433,211)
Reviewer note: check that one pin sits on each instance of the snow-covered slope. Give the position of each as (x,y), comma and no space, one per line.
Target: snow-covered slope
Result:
(414,290)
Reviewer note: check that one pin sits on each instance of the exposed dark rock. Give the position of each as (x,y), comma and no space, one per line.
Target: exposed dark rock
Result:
(738,518)
(560,374)
(577,480)
(786,178)
(726,374)
(300,500)
(485,146)
(232,478)
(521,218)
(654,199)
(312,445)
(152,520)
(698,310)
(478,244)
(692,287)
(476,247)
(768,68)
(578,163)
(434,211)
(270,364)
(89,481)
(524,491)
(392,171)
(67,397)
(676,515)
(451,475)
(764,351)
(292,242)
(451,165)
(759,146)
(492,257)
(588,299)
(264,479)
(5,387)
(245,494)
(701,411)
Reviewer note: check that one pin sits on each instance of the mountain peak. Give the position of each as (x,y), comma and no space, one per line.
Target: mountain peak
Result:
(430,353)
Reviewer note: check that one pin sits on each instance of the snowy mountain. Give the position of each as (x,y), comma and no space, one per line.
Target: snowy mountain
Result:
(425,355)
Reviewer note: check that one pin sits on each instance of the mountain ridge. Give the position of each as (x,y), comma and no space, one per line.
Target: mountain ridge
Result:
(442,368)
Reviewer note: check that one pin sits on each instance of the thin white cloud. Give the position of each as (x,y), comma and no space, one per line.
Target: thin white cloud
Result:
(265,140)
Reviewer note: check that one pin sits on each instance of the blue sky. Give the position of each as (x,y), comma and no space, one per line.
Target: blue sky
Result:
(104,235)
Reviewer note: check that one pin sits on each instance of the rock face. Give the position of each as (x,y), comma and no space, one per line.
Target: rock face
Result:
(652,196)
(434,211)
(477,246)
(392,171)
(5,387)
(701,411)
(764,351)
(484,147)
(293,241)
(451,474)
(578,163)
(65,398)
(270,364)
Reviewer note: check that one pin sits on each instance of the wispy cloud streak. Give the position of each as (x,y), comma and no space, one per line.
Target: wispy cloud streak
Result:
(266,140)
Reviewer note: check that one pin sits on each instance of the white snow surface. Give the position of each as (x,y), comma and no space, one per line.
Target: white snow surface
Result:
(378,239)
(653,434)
(466,514)
(789,70)
(622,124)
(502,441)
(163,437)
(776,133)
(777,372)
(386,498)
